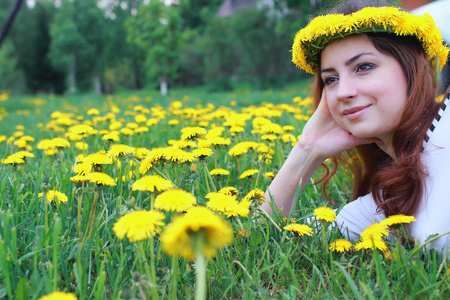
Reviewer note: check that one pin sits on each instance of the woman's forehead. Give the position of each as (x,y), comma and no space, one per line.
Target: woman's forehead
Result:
(347,47)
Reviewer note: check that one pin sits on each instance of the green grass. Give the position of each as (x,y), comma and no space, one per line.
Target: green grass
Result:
(42,248)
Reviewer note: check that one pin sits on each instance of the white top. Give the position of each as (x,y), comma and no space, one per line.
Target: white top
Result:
(433,216)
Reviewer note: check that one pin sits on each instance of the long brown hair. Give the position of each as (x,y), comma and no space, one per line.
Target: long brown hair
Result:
(397,185)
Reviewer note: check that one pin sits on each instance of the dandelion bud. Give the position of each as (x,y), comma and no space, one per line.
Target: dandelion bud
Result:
(130,203)
(45,185)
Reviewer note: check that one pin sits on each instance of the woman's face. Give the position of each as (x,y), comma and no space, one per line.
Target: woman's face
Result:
(366,90)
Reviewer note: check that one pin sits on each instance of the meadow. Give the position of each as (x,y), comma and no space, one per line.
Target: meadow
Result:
(139,196)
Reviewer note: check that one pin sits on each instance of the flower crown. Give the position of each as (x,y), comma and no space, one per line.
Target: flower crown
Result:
(310,41)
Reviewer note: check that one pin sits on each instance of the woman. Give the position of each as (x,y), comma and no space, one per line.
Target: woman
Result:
(375,97)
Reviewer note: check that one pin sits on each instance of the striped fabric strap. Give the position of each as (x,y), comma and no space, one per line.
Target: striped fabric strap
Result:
(444,105)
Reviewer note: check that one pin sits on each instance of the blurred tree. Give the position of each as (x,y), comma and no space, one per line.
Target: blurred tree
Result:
(122,61)
(197,13)
(157,30)
(11,77)
(31,38)
(77,38)
(221,56)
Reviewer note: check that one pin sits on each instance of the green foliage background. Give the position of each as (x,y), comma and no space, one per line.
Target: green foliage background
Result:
(59,46)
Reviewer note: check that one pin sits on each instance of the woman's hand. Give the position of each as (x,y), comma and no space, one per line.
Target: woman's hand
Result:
(324,137)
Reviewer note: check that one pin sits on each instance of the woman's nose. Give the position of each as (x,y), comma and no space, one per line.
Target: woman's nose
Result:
(347,89)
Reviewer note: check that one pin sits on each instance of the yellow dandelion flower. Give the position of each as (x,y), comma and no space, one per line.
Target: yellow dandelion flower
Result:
(139,225)
(288,127)
(93,112)
(271,128)
(51,151)
(375,231)
(152,183)
(226,204)
(300,229)
(81,129)
(97,159)
(220,202)
(175,200)
(180,236)
(172,122)
(79,178)
(289,138)
(151,122)
(141,129)
(398,219)
(82,168)
(182,144)
(229,190)
(371,244)
(100,178)
(177,155)
(127,131)
(269,137)
(17,158)
(120,150)
(269,175)
(236,129)
(140,118)
(155,156)
(219,172)
(340,245)
(203,143)
(132,125)
(256,195)
(59,296)
(116,125)
(202,153)
(3,138)
(55,196)
(248,173)
(242,148)
(81,146)
(18,134)
(218,141)
(111,137)
(193,133)
(326,214)
(141,152)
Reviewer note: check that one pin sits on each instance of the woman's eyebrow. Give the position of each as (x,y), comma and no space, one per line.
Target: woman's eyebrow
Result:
(348,61)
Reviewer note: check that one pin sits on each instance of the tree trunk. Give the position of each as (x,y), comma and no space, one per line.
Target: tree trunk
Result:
(97,83)
(72,75)
(163,84)
(137,74)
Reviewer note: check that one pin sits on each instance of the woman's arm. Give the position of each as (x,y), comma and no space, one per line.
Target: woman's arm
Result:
(300,165)
(322,138)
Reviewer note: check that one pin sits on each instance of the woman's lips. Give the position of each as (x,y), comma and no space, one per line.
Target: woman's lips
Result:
(355,112)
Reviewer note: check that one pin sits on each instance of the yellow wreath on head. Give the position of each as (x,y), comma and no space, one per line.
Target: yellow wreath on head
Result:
(309,41)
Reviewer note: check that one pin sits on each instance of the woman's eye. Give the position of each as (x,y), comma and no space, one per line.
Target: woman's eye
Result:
(330,80)
(364,67)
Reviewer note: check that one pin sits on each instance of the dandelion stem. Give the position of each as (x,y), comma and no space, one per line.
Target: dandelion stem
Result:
(200,262)
(120,175)
(206,178)
(80,200)
(90,224)
(141,257)
(173,292)
(324,242)
(152,266)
